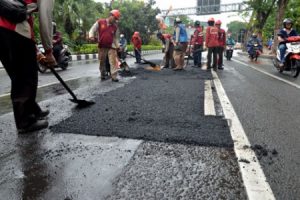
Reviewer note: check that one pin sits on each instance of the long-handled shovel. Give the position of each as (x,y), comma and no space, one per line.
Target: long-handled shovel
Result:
(80,103)
(152,64)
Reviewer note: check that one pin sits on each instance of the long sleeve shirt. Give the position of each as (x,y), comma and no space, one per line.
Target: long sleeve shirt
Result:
(25,28)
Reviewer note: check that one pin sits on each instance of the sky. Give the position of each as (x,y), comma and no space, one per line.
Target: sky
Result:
(224,17)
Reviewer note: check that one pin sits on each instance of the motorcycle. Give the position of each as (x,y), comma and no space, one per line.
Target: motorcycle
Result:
(229,52)
(292,57)
(254,51)
(63,59)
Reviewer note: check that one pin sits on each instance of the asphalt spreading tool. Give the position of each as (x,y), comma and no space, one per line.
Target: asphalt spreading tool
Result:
(80,103)
(153,65)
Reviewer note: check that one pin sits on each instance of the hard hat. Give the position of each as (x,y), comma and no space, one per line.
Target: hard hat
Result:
(211,19)
(136,33)
(218,22)
(121,35)
(177,20)
(116,14)
(197,23)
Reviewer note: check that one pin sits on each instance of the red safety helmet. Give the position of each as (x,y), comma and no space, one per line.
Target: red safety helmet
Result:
(116,14)
(136,33)
(218,22)
(211,19)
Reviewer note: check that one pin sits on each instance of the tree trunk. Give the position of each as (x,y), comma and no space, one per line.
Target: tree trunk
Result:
(281,7)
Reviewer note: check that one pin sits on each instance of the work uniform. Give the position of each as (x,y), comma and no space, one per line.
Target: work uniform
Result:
(18,56)
(221,46)
(198,46)
(107,43)
(211,41)
(181,41)
(169,49)
(137,44)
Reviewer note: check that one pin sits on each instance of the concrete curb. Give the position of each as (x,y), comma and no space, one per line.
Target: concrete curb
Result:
(82,57)
(95,56)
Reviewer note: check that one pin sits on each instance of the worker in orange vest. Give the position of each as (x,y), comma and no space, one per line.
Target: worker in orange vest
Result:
(211,42)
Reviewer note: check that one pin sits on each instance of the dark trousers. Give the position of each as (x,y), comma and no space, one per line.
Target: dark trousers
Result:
(169,59)
(214,52)
(18,56)
(220,56)
(137,53)
(197,55)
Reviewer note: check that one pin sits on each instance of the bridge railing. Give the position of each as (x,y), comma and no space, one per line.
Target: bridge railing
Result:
(207,10)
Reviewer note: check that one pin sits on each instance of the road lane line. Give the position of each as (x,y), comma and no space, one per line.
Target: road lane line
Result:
(267,73)
(209,105)
(255,182)
(42,86)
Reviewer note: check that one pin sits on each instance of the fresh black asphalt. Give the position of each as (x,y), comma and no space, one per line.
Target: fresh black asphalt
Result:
(164,106)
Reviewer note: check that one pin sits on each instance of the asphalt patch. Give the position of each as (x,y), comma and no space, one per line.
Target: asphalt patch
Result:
(164,106)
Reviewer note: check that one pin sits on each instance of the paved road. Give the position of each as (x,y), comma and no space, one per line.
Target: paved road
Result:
(150,136)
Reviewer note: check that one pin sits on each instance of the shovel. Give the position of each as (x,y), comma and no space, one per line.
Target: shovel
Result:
(146,61)
(80,103)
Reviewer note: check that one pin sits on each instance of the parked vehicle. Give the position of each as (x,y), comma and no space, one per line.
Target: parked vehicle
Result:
(229,52)
(292,57)
(62,61)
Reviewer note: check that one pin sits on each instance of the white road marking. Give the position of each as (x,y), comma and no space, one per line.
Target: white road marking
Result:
(209,105)
(255,182)
(267,73)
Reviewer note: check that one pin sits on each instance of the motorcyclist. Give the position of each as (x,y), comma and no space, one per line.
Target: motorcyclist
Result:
(283,34)
(253,40)
(57,42)
(230,40)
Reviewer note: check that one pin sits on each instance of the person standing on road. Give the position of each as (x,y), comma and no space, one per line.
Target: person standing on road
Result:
(108,44)
(180,44)
(222,43)
(18,54)
(211,42)
(168,49)
(198,44)
(123,47)
(137,44)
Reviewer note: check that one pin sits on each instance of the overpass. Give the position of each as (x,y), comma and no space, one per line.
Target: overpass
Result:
(207,10)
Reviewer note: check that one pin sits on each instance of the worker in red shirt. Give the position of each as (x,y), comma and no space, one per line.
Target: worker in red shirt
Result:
(108,44)
(197,42)
(222,43)
(137,44)
(168,43)
(211,42)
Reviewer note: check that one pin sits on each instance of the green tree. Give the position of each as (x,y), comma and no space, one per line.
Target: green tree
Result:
(235,28)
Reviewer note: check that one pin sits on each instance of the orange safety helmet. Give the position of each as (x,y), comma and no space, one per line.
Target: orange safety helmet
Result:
(116,14)
(211,19)
(218,22)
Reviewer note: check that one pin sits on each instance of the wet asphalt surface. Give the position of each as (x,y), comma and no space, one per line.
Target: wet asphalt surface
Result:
(145,138)
(269,112)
